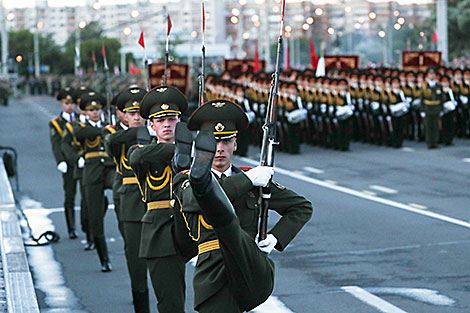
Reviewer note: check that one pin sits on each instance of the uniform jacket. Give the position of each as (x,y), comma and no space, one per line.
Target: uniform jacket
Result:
(57,128)
(431,99)
(97,161)
(151,165)
(132,208)
(209,274)
(71,147)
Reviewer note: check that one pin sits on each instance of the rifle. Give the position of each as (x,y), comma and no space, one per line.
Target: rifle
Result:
(202,77)
(269,135)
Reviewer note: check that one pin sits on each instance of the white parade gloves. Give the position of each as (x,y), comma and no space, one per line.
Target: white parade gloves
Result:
(251,116)
(423,115)
(267,245)
(260,175)
(81,162)
(62,167)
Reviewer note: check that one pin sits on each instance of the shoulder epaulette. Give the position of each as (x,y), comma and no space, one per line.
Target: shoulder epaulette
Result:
(82,124)
(55,118)
(57,127)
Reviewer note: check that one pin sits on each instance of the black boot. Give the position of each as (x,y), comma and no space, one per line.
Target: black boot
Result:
(90,244)
(214,203)
(184,143)
(70,219)
(102,249)
(140,299)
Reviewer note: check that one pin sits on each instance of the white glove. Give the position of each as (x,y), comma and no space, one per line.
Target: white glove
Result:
(62,167)
(260,175)
(251,116)
(267,245)
(81,162)
(423,115)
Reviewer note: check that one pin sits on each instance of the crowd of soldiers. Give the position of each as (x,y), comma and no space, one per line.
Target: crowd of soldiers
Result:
(172,204)
(377,106)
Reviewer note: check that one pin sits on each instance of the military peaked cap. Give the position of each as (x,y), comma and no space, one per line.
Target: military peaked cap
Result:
(92,100)
(129,100)
(163,101)
(224,118)
(66,94)
(79,92)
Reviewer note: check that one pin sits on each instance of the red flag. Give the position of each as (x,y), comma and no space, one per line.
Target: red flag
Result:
(103,51)
(141,40)
(256,66)
(313,55)
(286,55)
(435,36)
(169,25)
(203,18)
(283,8)
(132,68)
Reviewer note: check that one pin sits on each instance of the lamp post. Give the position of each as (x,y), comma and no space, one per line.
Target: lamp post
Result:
(4,34)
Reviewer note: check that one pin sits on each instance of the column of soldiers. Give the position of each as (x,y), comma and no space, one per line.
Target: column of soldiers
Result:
(172,206)
(377,106)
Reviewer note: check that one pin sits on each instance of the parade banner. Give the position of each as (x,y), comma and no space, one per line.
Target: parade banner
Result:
(177,75)
(243,65)
(339,62)
(420,60)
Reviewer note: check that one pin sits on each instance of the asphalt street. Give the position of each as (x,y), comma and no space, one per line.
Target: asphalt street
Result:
(390,230)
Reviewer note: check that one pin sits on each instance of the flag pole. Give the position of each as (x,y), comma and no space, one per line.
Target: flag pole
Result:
(108,87)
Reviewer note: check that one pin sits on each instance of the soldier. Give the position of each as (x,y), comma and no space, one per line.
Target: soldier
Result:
(233,273)
(98,171)
(57,127)
(398,107)
(448,116)
(132,208)
(163,105)
(431,107)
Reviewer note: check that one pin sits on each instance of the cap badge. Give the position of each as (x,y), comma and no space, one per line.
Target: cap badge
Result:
(218,104)
(94,103)
(163,89)
(135,103)
(134,91)
(91,93)
(219,127)
(165,106)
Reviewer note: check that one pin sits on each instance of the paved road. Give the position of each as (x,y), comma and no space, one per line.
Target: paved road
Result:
(390,232)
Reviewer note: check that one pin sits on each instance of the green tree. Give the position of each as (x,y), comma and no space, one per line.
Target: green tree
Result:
(458,26)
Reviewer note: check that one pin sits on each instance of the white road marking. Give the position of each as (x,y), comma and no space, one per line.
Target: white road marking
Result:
(368,192)
(419,294)
(383,189)
(418,206)
(467,160)
(329,181)
(272,305)
(313,170)
(407,149)
(299,172)
(370,299)
(362,195)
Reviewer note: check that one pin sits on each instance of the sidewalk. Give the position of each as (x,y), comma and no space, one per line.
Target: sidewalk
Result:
(16,285)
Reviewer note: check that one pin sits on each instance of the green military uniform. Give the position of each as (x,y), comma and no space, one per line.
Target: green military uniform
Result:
(151,165)
(98,174)
(431,105)
(448,118)
(131,207)
(231,274)
(57,128)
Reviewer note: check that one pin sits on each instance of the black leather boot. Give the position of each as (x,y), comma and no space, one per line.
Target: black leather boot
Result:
(214,203)
(140,299)
(70,219)
(184,143)
(90,244)
(102,249)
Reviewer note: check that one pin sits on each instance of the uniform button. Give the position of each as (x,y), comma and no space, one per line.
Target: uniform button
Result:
(102,160)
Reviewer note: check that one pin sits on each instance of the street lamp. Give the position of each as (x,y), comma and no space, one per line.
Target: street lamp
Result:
(381,34)
(372,15)
(135,13)
(401,20)
(19,58)
(397,26)
(11,16)
(82,25)
(310,20)
(127,31)
(318,11)
(331,30)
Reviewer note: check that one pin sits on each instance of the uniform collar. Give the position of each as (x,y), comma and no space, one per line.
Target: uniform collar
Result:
(83,118)
(227,173)
(68,116)
(123,126)
(95,124)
